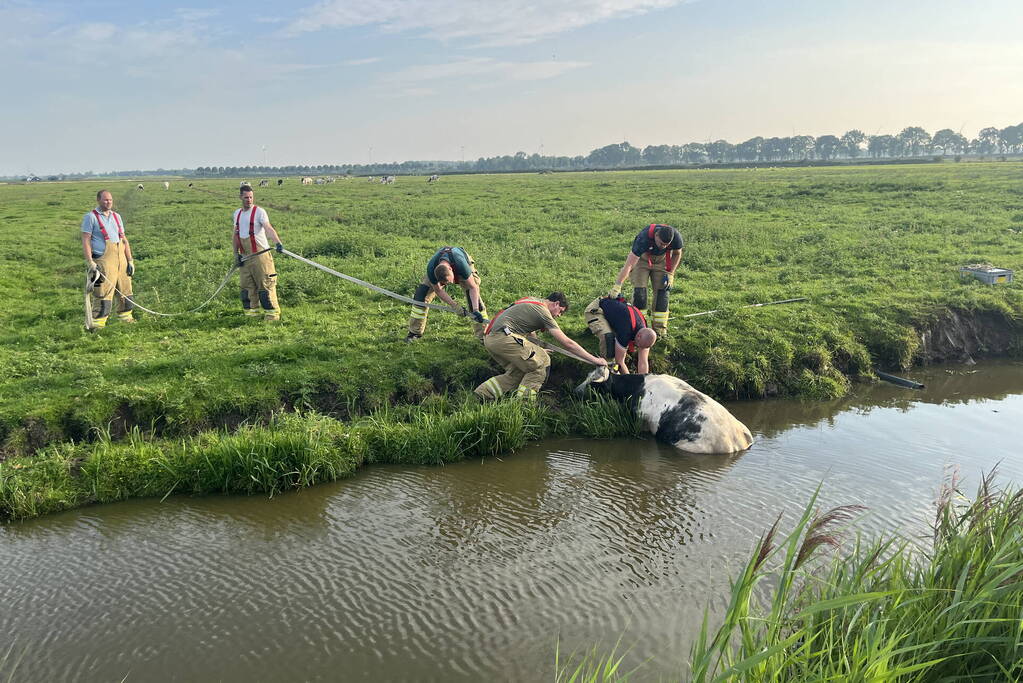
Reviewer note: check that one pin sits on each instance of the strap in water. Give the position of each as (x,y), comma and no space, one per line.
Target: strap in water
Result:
(367,285)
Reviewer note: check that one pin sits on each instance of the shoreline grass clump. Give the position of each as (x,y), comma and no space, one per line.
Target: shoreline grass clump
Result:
(292,451)
(885,610)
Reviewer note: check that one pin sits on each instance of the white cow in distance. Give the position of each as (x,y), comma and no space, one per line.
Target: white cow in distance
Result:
(307,181)
(140,187)
(166,185)
(434,178)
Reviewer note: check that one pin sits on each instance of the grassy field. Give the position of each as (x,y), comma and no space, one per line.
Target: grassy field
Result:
(876,250)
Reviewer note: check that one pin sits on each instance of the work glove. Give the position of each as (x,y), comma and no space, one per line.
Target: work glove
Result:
(616,290)
(238,260)
(478,317)
(93,270)
(279,247)
(669,280)
(130,268)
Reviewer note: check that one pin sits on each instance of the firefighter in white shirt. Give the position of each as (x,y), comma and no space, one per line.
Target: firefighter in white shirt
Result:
(257,274)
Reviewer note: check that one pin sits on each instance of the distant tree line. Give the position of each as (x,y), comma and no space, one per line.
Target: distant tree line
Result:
(854,144)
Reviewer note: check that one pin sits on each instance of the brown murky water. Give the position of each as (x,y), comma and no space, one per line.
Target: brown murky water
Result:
(475,571)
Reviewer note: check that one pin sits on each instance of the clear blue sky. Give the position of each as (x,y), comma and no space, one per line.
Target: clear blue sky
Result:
(110,85)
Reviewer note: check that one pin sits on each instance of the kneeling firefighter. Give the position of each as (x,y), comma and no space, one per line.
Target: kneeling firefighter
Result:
(449,264)
(108,258)
(654,258)
(621,328)
(257,274)
(510,340)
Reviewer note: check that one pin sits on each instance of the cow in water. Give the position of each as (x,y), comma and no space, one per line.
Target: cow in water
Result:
(674,412)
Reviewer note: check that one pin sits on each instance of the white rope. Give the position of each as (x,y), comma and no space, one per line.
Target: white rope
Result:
(769,303)
(558,349)
(201,306)
(367,285)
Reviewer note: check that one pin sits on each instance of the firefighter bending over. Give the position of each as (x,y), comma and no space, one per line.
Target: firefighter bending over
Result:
(655,255)
(449,264)
(510,339)
(621,328)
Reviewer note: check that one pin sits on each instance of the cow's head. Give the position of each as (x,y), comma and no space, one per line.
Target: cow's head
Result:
(597,376)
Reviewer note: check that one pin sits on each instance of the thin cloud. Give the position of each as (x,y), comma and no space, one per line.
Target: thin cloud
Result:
(512,22)
(467,69)
(360,62)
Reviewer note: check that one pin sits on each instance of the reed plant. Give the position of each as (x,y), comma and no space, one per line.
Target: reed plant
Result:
(884,610)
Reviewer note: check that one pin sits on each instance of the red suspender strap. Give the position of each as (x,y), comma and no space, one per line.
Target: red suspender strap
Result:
(252,225)
(494,319)
(103,228)
(633,313)
(120,228)
(653,245)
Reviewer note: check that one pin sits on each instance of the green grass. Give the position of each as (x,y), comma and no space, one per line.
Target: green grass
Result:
(291,451)
(875,250)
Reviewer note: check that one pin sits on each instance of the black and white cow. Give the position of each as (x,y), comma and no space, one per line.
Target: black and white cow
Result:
(280,181)
(674,412)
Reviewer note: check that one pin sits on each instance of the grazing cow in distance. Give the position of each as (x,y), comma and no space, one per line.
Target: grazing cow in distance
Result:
(434,178)
(140,187)
(307,181)
(674,412)
(264,183)
(243,184)
(280,181)
(320,181)
(387,180)
(166,185)
(190,184)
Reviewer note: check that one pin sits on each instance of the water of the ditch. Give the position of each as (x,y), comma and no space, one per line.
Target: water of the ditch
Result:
(475,571)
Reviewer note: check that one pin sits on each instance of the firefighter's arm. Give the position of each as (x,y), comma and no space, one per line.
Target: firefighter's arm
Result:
(573,347)
(445,297)
(642,361)
(87,248)
(127,248)
(630,262)
(676,259)
(271,233)
(620,352)
(474,294)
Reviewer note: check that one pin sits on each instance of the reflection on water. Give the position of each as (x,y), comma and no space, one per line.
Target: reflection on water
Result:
(474,571)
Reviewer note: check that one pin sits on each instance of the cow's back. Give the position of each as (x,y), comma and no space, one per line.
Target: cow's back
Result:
(688,419)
